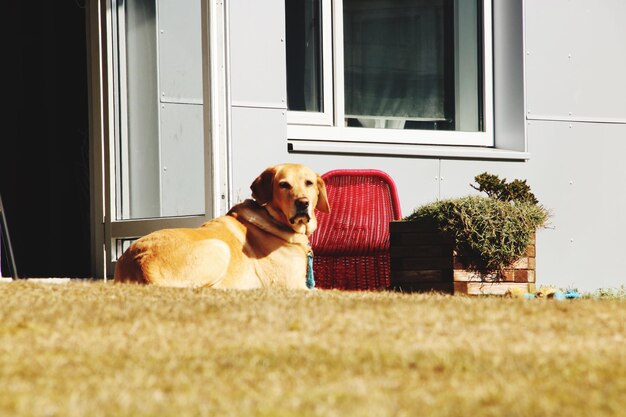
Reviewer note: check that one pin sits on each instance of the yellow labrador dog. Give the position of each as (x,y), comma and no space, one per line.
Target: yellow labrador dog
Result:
(260,243)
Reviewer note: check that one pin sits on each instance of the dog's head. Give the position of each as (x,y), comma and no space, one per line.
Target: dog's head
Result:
(291,192)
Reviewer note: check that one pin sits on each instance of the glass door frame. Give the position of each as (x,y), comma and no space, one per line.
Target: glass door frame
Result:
(106,229)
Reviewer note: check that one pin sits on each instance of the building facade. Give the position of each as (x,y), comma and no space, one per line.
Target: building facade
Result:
(190,100)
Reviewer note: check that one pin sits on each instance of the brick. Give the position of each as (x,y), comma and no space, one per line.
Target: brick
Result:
(521,263)
(457,263)
(521,275)
(508,275)
(460,287)
(496,288)
(464,275)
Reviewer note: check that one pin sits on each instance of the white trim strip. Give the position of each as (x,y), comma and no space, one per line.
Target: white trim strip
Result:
(403,136)
(321,147)
(338,69)
(487,68)
(574,119)
(180,100)
(259,105)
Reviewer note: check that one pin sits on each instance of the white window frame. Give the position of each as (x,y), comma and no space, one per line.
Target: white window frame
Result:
(324,118)
(312,126)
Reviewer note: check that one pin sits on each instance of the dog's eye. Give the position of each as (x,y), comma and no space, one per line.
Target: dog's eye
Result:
(285,185)
(308,183)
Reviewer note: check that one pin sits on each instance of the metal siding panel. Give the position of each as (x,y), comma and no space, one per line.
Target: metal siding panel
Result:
(182,160)
(574,64)
(417,180)
(457,175)
(180,51)
(257,53)
(585,245)
(258,141)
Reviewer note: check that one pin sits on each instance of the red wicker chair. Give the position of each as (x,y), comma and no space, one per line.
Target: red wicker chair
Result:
(351,244)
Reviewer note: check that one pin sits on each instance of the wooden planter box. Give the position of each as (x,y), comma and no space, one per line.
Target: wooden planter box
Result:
(423,260)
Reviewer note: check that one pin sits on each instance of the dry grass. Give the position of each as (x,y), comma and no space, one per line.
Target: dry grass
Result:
(96,349)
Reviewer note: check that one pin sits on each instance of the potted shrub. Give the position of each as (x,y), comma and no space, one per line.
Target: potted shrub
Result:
(483,244)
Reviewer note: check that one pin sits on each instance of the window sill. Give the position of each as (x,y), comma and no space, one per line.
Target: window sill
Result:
(398,136)
(402,150)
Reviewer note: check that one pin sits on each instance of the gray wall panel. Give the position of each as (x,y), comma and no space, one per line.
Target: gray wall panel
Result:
(182,160)
(257,53)
(258,141)
(180,51)
(457,175)
(575,59)
(579,175)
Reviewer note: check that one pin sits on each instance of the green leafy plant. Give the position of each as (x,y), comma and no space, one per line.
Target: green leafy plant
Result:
(493,186)
(489,232)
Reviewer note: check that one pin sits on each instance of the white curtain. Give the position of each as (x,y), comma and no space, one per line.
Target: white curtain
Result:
(394,61)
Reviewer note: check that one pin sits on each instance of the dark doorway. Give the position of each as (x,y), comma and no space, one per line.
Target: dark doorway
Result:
(44,148)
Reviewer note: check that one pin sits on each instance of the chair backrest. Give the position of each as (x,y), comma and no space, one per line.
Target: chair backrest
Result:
(362,203)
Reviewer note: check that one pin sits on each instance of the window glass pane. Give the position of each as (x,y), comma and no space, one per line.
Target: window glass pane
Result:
(304,62)
(413,64)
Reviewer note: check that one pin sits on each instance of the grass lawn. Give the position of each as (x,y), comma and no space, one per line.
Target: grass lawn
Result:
(98,349)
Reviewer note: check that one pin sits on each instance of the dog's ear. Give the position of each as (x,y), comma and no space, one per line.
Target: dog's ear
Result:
(322,198)
(262,186)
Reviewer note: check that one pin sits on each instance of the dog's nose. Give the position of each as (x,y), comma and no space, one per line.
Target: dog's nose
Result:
(302,203)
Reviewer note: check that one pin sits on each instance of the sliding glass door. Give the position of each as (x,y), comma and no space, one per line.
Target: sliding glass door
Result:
(162,163)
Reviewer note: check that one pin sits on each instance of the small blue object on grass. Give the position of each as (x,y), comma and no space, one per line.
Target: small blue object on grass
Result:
(573,294)
(569,295)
